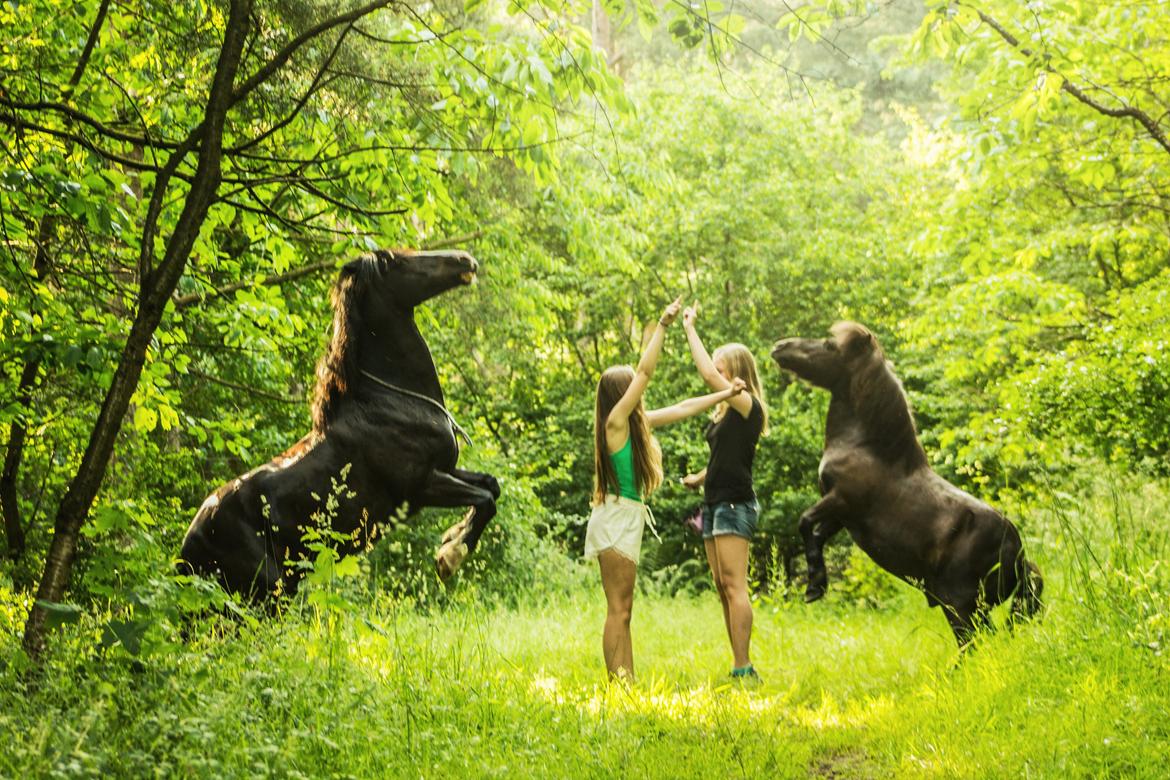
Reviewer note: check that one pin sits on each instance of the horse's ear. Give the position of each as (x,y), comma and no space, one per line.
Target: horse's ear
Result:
(854,339)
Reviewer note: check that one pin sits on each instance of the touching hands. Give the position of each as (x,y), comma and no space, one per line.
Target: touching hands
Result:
(737,386)
(670,313)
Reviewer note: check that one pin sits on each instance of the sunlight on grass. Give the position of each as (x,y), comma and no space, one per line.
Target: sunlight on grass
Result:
(472,691)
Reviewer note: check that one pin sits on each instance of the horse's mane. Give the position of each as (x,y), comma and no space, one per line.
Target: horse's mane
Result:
(339,365)
(878,398)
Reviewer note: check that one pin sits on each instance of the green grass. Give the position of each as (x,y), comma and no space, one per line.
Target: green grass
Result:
(849,691)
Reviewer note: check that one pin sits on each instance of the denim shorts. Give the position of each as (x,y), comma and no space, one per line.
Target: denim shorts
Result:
(739,518)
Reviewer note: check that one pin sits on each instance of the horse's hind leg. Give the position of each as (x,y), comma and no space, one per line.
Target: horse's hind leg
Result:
(818,523)
(965,616)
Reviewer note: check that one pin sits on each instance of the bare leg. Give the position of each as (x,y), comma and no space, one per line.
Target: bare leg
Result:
(617,578)
(713,562)
(732,554)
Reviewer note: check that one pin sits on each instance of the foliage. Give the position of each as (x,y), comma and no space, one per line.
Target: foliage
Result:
(992,209)
(178,184)
(981,184)
(501,691)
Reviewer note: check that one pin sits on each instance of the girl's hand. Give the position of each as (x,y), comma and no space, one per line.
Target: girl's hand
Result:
(689,314)
(692,481)
(670,313)
(737,386)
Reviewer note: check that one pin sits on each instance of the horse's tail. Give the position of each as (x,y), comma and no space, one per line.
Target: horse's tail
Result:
(1026,602)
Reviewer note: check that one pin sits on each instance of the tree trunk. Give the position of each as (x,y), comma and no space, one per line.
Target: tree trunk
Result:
(602,35)
(157,287)
(18,432)
(13,528)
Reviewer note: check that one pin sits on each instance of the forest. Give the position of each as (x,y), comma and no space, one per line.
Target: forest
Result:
(984,185)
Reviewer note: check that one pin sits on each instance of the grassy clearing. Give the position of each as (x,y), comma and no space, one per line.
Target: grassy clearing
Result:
(848,691)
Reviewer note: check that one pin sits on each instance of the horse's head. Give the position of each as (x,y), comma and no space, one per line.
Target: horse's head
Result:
(827,362)
(373,300)
(406,278)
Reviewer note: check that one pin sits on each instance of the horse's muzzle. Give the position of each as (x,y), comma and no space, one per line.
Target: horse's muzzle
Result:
(780,348)
(468,276)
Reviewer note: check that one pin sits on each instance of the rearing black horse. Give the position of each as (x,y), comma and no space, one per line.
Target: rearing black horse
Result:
(876,483)
(378,410)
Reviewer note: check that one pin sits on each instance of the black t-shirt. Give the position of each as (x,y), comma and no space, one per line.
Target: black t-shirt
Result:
(733,448)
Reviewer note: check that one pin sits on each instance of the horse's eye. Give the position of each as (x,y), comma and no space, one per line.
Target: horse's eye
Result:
(830,345)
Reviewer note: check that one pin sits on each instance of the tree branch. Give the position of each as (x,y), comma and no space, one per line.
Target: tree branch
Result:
(87,52)
(1141,117)
(183,301)
(285,54)
(17,123)
(82,118)
(317,84)
(285,399)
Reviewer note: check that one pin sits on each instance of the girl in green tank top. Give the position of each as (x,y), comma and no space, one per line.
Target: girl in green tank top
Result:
(627,468)
(623,465)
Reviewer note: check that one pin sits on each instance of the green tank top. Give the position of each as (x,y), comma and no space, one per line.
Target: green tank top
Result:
(623,464)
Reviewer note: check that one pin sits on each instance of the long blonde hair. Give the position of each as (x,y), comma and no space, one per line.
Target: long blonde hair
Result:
(741,363)
(647,454)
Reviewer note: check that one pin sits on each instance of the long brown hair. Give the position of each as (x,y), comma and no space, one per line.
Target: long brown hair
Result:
(647,454)
(741,363)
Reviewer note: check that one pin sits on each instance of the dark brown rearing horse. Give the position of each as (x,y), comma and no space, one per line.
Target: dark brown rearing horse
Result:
(379,426)
(876,483)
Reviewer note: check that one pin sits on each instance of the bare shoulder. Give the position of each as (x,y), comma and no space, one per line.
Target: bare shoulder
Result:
(617,430)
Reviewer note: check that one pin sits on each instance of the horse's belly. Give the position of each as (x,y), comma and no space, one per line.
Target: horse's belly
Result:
(898,541)
(890,555)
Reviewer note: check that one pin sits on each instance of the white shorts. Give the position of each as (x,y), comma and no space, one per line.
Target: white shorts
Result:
(617,525)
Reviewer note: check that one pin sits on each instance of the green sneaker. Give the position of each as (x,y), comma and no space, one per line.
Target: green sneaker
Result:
(746,674)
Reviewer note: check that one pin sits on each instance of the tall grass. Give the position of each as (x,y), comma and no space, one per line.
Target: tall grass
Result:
(848,690)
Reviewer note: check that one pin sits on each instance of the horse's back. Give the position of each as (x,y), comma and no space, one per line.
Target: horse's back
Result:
(979,548)
(237,528)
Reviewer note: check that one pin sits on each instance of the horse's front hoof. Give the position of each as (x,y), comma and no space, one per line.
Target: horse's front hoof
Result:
(813,595)
(449,558)
(459,529)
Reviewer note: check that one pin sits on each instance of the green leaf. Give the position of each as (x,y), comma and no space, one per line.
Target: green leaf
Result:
(347,567)
(57,615)
(127,633)
(72,356)
(145,419)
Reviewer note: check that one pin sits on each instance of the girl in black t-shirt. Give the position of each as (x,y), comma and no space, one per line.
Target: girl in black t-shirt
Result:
(730,510)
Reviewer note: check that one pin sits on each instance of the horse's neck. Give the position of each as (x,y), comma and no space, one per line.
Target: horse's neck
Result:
(841,421)
(888,429)
(395,352)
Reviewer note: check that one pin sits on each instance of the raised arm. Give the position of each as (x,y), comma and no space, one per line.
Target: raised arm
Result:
(692,406)
(703,361)
(619,416)
(741,403)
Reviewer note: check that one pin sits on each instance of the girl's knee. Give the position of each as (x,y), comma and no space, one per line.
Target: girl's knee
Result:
(621,613)
(732,589)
